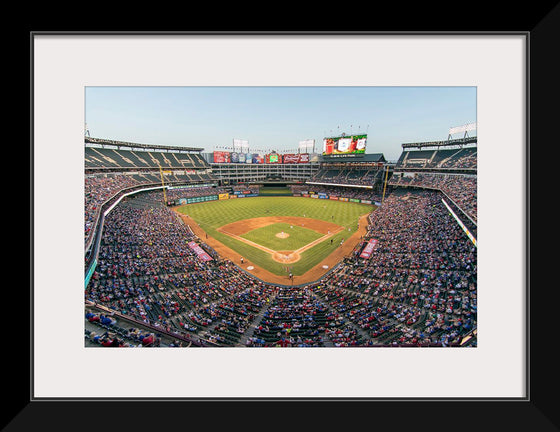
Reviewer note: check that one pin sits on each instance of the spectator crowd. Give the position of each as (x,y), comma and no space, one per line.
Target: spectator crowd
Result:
(462,189)
(348,175)
(338,191)
(418,287)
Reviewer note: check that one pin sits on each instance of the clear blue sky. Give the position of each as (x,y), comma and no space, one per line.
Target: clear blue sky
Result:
(277,118)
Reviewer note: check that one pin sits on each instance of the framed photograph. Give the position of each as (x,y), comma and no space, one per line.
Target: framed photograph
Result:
(493,373)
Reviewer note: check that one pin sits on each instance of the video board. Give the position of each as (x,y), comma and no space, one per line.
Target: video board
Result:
(345,145)
(273,158)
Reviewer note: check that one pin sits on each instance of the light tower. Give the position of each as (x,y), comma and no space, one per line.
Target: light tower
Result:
(463,128)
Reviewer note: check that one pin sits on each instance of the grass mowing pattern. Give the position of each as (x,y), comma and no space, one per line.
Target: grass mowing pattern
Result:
(298,236)
(275,191)
(214,214)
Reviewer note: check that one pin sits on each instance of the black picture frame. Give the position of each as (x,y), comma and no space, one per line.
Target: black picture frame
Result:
(538,412)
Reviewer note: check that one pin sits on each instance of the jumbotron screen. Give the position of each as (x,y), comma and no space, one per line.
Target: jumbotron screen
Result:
(344,145)
(273,158)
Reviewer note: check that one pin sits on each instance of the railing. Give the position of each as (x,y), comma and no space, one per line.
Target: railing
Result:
(158,329)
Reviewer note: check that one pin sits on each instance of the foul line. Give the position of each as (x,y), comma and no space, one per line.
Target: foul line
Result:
(270,251)
(319,240)
(249,242)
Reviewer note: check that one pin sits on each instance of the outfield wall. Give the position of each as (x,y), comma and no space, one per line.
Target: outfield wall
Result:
(214,197)
(242,194)
(335,198)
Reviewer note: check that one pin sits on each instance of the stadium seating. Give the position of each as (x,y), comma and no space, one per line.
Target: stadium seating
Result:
(417,288)
(438,158)
(348,176)
(110,171)
(462,189)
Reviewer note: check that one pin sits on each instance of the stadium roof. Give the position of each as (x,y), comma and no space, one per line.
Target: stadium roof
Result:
(103,142)
(453,142)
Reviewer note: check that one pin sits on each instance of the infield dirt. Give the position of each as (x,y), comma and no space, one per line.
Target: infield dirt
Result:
(242,227)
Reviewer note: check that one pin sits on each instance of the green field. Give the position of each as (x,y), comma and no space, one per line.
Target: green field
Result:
(275,191)
(214,214)
(298,236)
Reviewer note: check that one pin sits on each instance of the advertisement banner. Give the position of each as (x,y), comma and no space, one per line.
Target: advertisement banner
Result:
(223,196)
(295,158)
(343,199)
(366,202)
(189,186)
(221,157)
(273,158)
(199,251)
(366,252)
(290,158)
(258,159)
(314,196)
(232,196)
(306,195)
(234,157)
(202,199)
(333,198)
(354,200)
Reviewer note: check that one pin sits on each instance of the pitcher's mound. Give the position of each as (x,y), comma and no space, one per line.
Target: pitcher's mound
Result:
(282,235)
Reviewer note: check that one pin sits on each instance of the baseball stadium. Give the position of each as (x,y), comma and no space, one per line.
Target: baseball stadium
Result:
(334,248)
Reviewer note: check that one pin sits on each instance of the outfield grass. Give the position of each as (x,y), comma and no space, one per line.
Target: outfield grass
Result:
(214,214)
(298,236)
(275,191)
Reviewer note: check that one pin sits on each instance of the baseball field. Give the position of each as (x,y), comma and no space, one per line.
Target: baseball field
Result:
(272,237)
